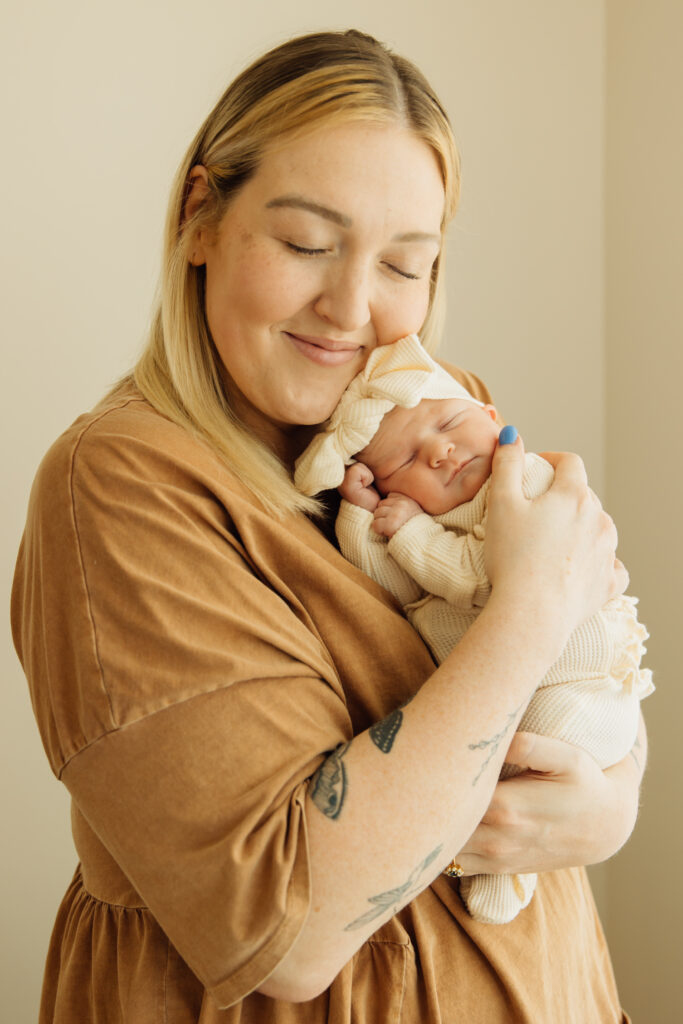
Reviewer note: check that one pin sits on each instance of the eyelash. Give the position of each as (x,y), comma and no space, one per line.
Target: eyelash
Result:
(301,250)
(444,426)
(403,273)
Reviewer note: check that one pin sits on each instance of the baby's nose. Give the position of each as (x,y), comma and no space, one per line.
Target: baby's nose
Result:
(440,449)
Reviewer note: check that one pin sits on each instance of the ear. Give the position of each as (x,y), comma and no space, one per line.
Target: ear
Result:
(197,189)
(492,411)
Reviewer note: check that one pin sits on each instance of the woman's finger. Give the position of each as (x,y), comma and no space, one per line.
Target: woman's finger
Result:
(535,753)
(569,468)
(508,464)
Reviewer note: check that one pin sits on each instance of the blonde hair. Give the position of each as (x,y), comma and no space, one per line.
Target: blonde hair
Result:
(323,78)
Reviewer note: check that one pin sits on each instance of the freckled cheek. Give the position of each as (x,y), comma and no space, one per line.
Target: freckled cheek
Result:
(403,317)
(268,291)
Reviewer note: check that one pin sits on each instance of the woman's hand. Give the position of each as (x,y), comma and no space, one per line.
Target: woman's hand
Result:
(562,812)
(555,553)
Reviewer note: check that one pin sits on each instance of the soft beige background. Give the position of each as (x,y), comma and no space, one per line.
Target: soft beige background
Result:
(565,295)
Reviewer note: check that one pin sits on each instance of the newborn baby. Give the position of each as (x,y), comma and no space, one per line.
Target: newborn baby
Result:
(419,449)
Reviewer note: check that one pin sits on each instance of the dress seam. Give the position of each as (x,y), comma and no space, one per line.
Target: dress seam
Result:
(84,577)
(120,727)
(108,903)
(406,946)
(165,991)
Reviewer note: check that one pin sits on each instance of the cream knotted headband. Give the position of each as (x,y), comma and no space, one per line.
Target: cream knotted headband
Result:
(398,374)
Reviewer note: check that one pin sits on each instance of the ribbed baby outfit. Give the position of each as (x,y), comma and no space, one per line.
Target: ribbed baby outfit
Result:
(590,697)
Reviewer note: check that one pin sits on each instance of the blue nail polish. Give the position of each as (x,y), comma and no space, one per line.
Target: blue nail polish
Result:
(508,435)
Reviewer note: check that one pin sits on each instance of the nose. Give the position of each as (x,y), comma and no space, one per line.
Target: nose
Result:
(438,450)
(344,300)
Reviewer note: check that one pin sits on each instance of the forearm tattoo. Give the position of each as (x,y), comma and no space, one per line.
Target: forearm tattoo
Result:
(492,744)
(394,899)
(329,784)
(384,733)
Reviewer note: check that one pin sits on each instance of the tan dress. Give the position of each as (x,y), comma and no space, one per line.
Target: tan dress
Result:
(191,662)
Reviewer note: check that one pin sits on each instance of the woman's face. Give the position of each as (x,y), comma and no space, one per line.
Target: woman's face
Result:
(325,253)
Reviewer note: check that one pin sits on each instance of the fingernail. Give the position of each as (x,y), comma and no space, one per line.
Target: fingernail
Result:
(508,435)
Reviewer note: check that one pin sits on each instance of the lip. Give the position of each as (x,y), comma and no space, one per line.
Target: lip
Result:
(324,351)
(459,468)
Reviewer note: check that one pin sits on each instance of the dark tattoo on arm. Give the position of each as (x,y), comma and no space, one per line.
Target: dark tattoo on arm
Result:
(394,899)
(329,784)
(493,743)
(384,733)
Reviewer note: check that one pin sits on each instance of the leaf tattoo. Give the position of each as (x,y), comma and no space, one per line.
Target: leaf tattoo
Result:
(329,784)
(384,733)
(394,899)
(493,743)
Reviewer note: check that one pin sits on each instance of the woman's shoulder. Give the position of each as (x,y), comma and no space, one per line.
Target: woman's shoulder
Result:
(122,423)
(469,380)
(124,439)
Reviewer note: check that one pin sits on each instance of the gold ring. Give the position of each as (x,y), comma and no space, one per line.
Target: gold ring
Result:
(453,870)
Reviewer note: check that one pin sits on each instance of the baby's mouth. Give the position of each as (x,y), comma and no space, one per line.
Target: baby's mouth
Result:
(458,469)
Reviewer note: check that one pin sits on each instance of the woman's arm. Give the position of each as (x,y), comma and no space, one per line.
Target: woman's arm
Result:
(389,810)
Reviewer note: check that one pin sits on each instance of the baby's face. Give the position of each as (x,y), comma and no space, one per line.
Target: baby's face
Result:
(438,453)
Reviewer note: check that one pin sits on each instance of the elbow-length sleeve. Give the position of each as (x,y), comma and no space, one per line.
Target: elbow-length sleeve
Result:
(183,698)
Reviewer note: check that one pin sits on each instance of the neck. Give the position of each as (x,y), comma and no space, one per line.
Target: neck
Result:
(286,441)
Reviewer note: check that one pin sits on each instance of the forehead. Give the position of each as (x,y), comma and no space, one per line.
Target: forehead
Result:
(357,168)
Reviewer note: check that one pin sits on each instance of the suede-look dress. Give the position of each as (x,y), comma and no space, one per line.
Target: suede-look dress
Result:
(192,662)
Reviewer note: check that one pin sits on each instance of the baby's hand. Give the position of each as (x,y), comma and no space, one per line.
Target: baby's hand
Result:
(357,488)
(392,512)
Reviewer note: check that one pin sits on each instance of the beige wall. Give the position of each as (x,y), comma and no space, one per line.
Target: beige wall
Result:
(644,207)
(100,100)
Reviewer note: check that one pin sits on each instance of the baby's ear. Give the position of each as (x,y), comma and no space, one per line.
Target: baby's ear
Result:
(492,411)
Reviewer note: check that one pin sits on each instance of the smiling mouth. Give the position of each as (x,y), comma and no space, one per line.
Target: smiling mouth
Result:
(324,351)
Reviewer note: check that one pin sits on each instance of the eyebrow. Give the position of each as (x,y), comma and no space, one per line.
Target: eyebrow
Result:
(298,202)
(417,236)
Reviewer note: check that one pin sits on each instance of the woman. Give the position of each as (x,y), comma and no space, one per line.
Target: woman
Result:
(262,833)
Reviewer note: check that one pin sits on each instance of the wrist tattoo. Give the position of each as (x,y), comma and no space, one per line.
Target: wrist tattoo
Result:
(493,743)
(393,899)
(329,784)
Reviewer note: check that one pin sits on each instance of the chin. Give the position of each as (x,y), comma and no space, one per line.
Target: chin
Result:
(312,414)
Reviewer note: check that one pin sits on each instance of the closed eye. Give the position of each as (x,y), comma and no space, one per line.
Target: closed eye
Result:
(383,477)
(304,251)
(402,273)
